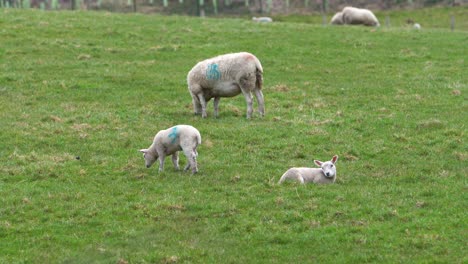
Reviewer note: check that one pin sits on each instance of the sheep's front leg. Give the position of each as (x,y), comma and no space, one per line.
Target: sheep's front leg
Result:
(216,106)
(161,162)
(175,160)
(260,101)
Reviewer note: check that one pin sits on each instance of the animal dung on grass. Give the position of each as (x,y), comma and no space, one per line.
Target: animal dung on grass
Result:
(169,142)
(226,76)
(323,175)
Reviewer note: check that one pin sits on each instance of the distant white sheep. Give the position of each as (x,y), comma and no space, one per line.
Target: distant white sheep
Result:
(323,175)
(226,76)
(169,142)
(337,19)
(262,19)
(358,16)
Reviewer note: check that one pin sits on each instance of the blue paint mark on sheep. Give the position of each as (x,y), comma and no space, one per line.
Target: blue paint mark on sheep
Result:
(173,135)
(212,72)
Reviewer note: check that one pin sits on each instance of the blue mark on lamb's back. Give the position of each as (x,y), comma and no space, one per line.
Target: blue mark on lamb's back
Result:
(173,135)
(212,72)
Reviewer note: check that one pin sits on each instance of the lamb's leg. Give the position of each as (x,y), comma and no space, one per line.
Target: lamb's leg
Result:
(191,155)
(260,101)
(291,174)
(175,160)
(161,162)
(216,106)
(248,99)
(203,104)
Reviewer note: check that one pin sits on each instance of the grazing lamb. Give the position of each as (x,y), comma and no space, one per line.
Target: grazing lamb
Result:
(226,76)
(262,19)
(169,142)
(337,19)
(356,16)
(323,175)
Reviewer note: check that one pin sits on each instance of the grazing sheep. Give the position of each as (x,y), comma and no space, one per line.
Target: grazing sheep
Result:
(337,19)
(323,175)
(356,16)
(226,76)
(169,142)
(262,19)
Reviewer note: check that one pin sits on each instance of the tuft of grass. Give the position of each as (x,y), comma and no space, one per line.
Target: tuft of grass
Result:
(81,92)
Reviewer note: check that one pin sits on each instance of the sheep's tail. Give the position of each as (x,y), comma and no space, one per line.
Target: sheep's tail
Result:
(258,75)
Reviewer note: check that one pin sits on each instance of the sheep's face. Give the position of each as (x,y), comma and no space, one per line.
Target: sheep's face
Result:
(150,158)
(328,167)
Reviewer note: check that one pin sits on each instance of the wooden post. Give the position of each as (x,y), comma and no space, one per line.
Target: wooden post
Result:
(215,7)
(134,6)
(452,22)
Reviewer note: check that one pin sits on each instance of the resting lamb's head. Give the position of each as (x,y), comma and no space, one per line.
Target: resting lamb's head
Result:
(150,157)
(328,167)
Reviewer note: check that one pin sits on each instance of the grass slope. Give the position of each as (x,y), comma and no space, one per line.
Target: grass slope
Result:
(98,86)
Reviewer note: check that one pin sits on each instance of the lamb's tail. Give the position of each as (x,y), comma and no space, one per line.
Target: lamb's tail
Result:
(259,79)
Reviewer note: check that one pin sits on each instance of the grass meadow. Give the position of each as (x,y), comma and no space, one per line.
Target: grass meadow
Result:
(82,92)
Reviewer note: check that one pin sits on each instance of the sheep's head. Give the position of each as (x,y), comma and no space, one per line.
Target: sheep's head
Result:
(328,167)
(149,156)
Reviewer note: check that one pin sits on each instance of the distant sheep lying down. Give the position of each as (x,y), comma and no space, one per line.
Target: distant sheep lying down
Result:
(262,19)
(323,175)
(355,16)
(169,142)
(226,76)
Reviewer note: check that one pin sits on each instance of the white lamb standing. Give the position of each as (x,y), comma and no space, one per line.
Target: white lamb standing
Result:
(337,19)
(169,142)
(323,175)
(354,16)
(226,76)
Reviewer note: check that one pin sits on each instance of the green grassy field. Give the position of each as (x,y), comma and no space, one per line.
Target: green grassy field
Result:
(391,102)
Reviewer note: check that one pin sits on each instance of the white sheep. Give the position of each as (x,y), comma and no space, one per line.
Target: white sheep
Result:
(337,19)
(169,142)
(226,76)
(354,16)
(323,175)
(262,19)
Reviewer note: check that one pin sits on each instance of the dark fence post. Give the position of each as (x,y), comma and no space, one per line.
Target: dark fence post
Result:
(452,22)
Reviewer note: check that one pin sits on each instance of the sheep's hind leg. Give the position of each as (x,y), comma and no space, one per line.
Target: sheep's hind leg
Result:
(191,160)
(201,97)
(248,99)
(216,106)
(260,101)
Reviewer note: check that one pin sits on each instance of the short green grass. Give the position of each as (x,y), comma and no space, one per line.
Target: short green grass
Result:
(98,86)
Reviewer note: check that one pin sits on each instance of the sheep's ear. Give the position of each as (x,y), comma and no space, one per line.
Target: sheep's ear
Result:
(143,150)
(334,159)
(318,163)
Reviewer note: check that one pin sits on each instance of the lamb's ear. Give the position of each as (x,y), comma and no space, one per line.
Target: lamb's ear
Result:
(318,163)
(143,150)
(334,159)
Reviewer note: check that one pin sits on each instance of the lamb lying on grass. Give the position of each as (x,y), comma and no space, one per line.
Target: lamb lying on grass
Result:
(356,16)
(226,76)
(323,175)
(169,142)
